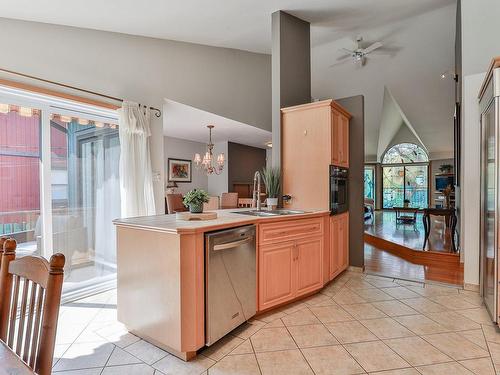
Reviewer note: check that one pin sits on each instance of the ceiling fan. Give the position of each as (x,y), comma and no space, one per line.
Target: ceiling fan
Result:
(358,56)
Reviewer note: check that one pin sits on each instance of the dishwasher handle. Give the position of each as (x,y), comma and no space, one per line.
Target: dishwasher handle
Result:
(230,245)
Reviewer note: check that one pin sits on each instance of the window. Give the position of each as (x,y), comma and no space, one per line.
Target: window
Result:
(405,176)
(369,179)
(70,152)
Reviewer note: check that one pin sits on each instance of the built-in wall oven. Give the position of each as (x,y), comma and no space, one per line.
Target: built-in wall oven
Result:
(338,190)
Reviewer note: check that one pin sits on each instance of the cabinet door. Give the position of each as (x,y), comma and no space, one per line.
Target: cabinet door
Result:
(276,274)
(343,236)
(344,141)
(336,137)
(309,264)
(334,266)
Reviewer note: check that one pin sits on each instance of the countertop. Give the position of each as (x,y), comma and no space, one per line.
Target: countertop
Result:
(225,219)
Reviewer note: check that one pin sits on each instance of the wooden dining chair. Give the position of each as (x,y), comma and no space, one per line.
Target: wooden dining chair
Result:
(174,203)
(30,295)
(213,204)
(245,202)
(2,240)
(229,200)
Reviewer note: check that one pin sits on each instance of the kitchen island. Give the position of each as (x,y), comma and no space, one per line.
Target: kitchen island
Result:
(161,270)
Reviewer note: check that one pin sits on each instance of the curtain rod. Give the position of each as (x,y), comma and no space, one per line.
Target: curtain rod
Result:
(156,110)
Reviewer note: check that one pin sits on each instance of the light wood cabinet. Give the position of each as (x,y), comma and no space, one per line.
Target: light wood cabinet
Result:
(289,268)
(313,136)
(339,244)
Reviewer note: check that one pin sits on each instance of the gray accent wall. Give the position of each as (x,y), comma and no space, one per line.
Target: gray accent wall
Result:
(291,70)
(245,161)
(356,107)
(231,83)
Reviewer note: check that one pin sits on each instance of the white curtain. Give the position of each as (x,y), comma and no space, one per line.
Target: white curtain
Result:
(136,182)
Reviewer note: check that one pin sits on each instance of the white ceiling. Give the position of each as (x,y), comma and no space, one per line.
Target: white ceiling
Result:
(186,122)
(240,24)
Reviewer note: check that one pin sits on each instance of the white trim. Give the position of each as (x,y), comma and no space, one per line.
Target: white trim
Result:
(46,185)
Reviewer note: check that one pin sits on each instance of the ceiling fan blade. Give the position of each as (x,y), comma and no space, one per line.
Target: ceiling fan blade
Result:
(345,57)
(347,51)
(372,48)
(342,61)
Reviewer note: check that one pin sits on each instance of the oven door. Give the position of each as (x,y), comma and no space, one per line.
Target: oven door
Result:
(338,195)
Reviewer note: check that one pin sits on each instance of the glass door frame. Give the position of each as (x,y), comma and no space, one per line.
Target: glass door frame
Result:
(404,165)
(49,105)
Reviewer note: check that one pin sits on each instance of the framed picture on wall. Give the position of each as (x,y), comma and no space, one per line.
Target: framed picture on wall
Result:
(179,170)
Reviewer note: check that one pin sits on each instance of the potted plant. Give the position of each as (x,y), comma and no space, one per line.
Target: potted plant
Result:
(406,203)
(445,168)
(272,180)
(194,199)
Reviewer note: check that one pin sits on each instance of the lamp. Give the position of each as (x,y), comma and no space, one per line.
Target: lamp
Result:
(171,186)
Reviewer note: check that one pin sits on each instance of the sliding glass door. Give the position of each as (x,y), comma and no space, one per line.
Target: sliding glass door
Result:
(402,182)
(59,183)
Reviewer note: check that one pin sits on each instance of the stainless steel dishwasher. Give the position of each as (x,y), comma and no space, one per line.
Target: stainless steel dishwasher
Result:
(230,280)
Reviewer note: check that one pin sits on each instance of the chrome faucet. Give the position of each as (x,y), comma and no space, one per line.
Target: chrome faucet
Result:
(256,193)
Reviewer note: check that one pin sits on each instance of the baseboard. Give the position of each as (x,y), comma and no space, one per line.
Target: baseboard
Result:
(471,287)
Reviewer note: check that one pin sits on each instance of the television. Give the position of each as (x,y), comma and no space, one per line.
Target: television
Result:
(443,181)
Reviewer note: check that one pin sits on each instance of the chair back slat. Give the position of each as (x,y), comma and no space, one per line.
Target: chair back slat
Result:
(29,327)
(22,318)
(30,291)
(36,327)
(13,311)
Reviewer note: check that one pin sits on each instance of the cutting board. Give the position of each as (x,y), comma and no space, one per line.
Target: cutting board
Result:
(188,216)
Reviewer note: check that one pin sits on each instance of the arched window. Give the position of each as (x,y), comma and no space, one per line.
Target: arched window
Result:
(405,176)
(405,153)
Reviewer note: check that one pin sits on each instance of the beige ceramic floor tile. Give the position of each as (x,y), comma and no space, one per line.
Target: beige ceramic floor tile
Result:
(491,333)
(293,307)
(400,292)
(453,302)
(137,369)
(222,347)
(319,300)
(420,324)
(274,324)
(456,346)
(394,308)
(288,362)
(358,284)
(373,295)
(423,305)
(331,360)
(248,329)
(329,314)
(480,366)
(381,282)
(476,336)
(350,332)
(272,339)
(386,328)
(301,317)
(375,356)
(272,315)
(244,348)
(416,351)
(173,365)
(479,315)
(146,352)
(453,321)
(87,355)
(347,297)
(450,368)
(494,349)
(245,364)
(121,357)
(312,335)
(364,311)
(434,290)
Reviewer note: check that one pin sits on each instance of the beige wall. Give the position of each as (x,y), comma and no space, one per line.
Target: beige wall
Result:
(232,83)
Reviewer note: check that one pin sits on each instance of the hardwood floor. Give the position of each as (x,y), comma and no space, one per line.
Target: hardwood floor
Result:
(383,225)
(396,250)
(380,262)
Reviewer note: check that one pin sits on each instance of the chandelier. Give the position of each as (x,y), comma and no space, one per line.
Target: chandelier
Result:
(207,162)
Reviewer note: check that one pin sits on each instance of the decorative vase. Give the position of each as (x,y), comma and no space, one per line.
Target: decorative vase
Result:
(196,208)
(272,203)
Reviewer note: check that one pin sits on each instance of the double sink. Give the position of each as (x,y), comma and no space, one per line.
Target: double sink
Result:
(266,213)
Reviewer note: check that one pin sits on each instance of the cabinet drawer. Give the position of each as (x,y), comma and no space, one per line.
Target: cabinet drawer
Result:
(290,230)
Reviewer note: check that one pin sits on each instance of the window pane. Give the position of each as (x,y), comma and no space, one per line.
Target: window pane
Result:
(20,176)
(393,186)
(416,185)
(405,153)
(85,198)
(369,179)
